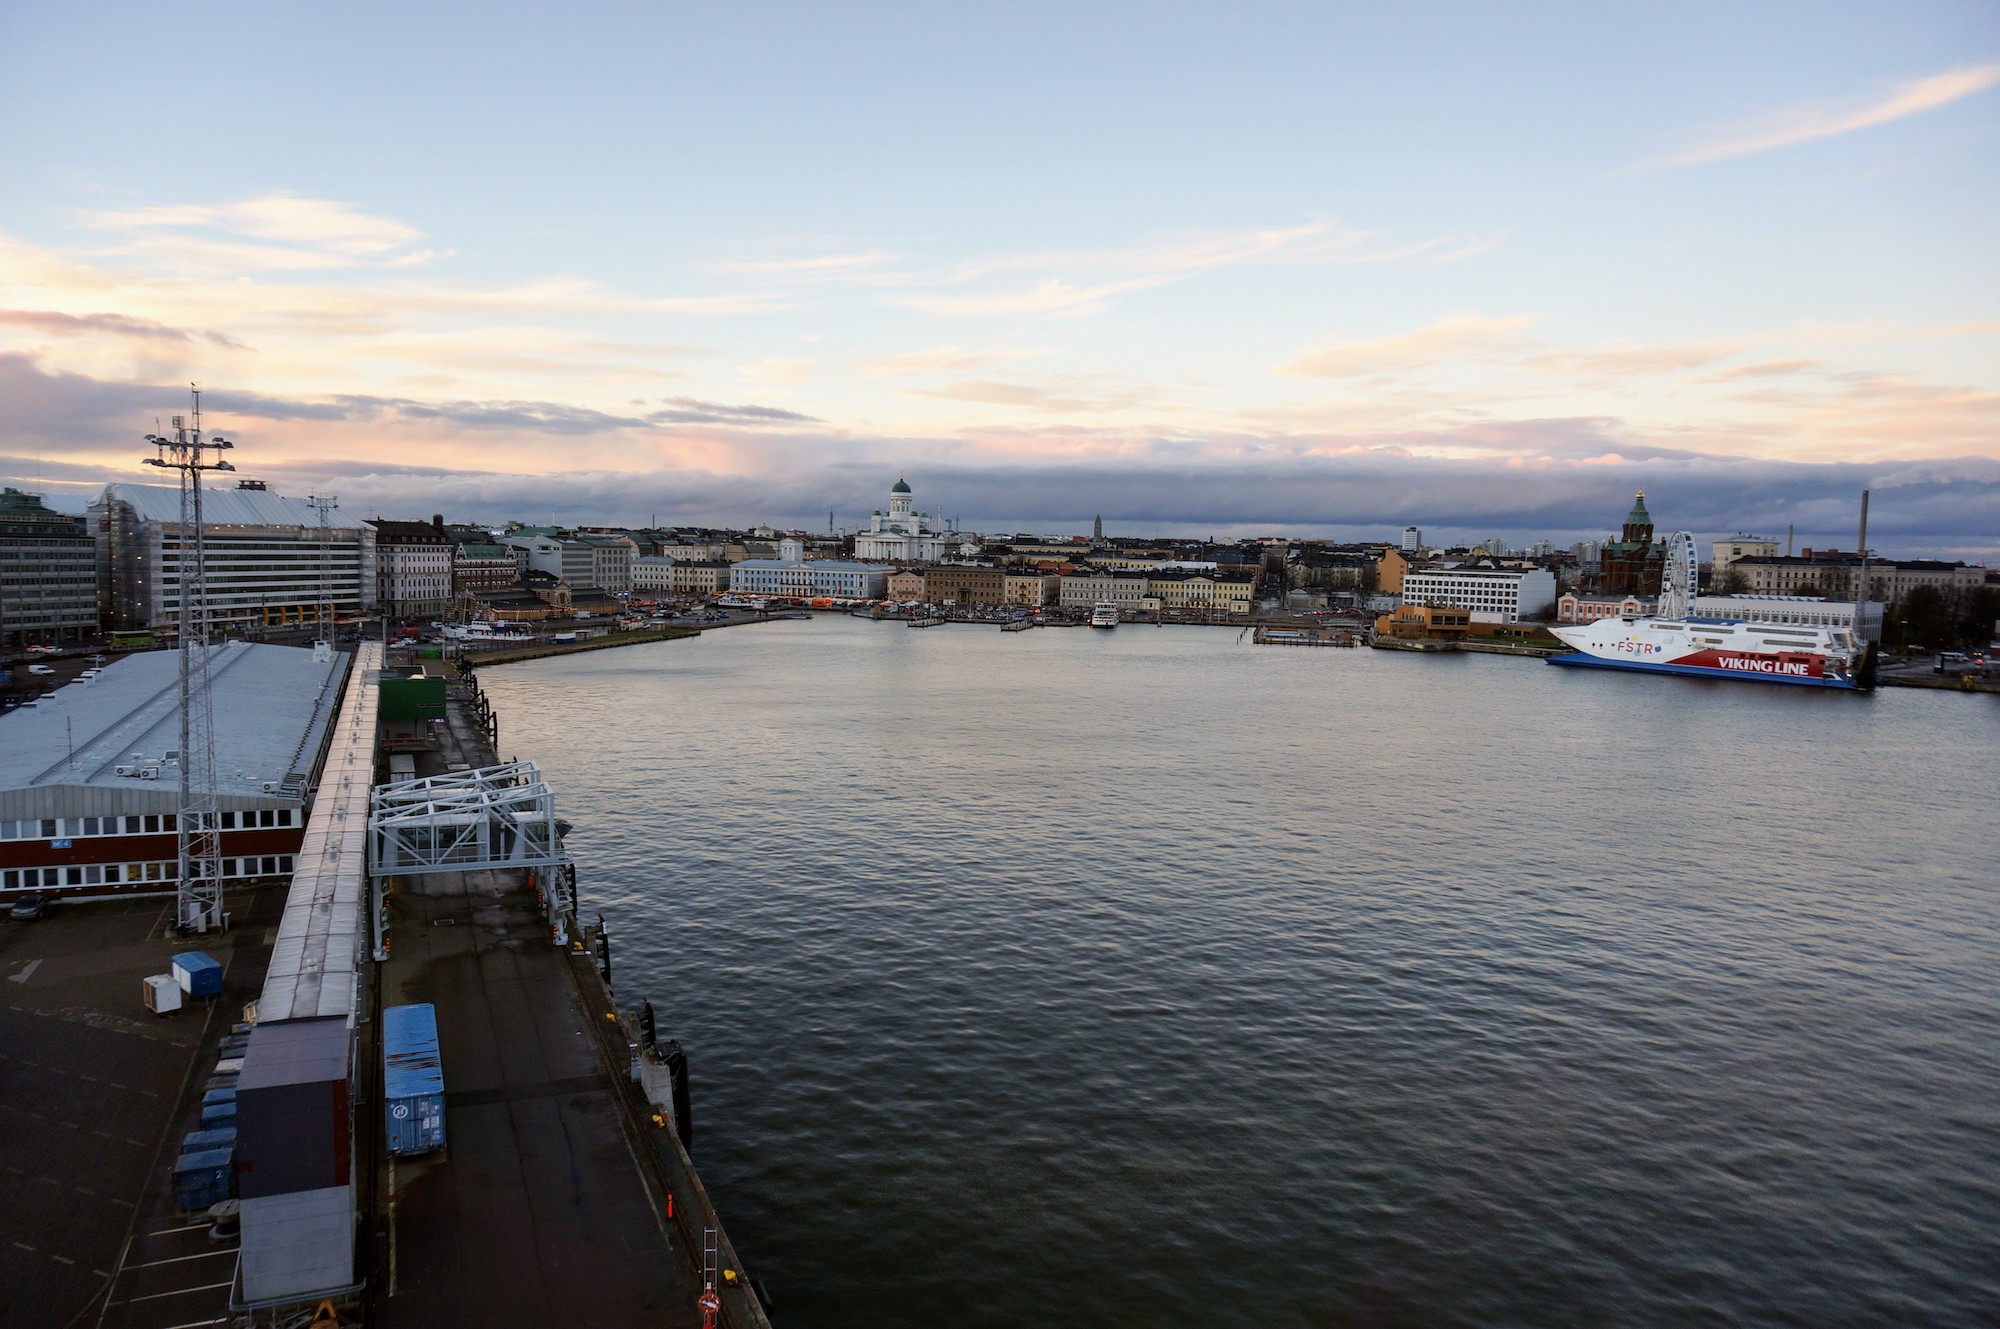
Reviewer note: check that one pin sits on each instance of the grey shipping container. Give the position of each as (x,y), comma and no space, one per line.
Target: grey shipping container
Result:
(203,1179)
(412,1079)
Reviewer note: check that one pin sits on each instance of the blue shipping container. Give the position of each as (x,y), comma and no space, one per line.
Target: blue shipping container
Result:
(199,975)
(412,1079)
(209,1137)
(219,1096)
(218,1114)
(203,1179)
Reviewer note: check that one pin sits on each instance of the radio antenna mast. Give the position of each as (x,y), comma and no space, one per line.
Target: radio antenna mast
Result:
(198,897)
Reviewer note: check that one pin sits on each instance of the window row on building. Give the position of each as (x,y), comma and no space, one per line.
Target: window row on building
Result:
(159,871)
(148,823)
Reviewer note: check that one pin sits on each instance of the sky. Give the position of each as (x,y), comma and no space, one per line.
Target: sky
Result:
(1319,270)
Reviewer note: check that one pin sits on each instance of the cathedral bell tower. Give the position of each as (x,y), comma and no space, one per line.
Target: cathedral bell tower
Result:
(1639,522)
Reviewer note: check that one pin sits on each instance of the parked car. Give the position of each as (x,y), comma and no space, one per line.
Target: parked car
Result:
(41,669)
(28,908)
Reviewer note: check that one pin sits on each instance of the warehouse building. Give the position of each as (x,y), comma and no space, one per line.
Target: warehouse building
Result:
(90,784)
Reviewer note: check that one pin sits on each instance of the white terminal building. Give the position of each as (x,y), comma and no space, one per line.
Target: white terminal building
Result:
(1799,610)
(792,574)
(1493,595)
(902,534)
(90,784)
(270,559)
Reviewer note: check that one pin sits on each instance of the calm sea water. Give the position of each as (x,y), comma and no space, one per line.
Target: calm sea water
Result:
(1147,978)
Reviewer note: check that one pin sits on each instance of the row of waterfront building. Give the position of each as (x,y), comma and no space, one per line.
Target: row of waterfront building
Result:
(274,561)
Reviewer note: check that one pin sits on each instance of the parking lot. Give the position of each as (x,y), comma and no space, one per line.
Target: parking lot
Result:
(94,1091)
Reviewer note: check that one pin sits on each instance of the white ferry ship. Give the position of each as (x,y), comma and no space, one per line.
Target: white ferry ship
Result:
(1679,642)
(1104,614)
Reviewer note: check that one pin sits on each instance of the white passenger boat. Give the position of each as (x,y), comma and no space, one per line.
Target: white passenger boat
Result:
(1104,615)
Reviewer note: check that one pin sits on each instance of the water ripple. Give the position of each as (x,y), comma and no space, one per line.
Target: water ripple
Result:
(1148,979)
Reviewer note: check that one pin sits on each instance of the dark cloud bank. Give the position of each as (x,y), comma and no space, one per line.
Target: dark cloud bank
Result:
(1949,508)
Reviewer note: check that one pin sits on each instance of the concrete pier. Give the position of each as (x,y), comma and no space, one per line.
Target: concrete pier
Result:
(550,1202)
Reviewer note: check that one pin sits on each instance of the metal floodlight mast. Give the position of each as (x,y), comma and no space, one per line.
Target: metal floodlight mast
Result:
(198,900)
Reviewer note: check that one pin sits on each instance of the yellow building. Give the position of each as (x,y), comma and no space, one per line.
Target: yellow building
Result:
(1413,622)
(1034,590)
(1389,570)
(1207,592)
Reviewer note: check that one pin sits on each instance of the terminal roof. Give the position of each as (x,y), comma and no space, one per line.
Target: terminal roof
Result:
(271,706)
(227,507)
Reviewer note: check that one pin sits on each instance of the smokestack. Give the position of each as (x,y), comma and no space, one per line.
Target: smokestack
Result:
(1861,547)
(1788,539)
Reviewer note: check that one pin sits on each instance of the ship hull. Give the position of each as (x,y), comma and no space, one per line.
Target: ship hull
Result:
(1581,660)
(1795,655)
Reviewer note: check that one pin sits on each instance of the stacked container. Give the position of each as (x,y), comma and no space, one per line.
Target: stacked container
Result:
(204,1178)
(412,1079)
(218,1108)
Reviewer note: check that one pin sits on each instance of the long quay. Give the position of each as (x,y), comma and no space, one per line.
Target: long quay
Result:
(559,1194)
(549,1202)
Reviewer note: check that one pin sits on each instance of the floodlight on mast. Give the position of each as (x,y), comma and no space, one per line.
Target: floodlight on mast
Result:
(198,896)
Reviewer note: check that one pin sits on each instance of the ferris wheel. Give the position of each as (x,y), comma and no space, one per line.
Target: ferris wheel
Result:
(1680,580)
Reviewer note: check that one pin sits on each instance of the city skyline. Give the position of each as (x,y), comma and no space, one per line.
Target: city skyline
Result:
(1230,273)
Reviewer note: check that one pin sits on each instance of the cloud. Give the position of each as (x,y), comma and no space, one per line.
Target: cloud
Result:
(1064,393)
(1812,121)
(943,359)
(1762,369)
(795,370)
(704,462)
(279,216)
(1942,509)
(110,325)
(1097,277)
(1618,362)
(1453,337)
(686,410)
(871,266)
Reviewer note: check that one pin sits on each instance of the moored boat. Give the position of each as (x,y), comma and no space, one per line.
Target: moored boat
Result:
(1104,614)
(1676,641)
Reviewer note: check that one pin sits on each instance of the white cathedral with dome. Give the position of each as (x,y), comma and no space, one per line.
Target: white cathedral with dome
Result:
(902,534)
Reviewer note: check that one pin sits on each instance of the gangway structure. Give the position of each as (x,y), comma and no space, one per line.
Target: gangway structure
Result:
(495,817)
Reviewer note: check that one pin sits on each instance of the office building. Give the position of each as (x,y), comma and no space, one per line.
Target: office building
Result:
(270,560)
(1492,595)
(412,568)
(48,573)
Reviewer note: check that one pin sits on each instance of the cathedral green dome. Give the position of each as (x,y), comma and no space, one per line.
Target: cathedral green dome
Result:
(900,487)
